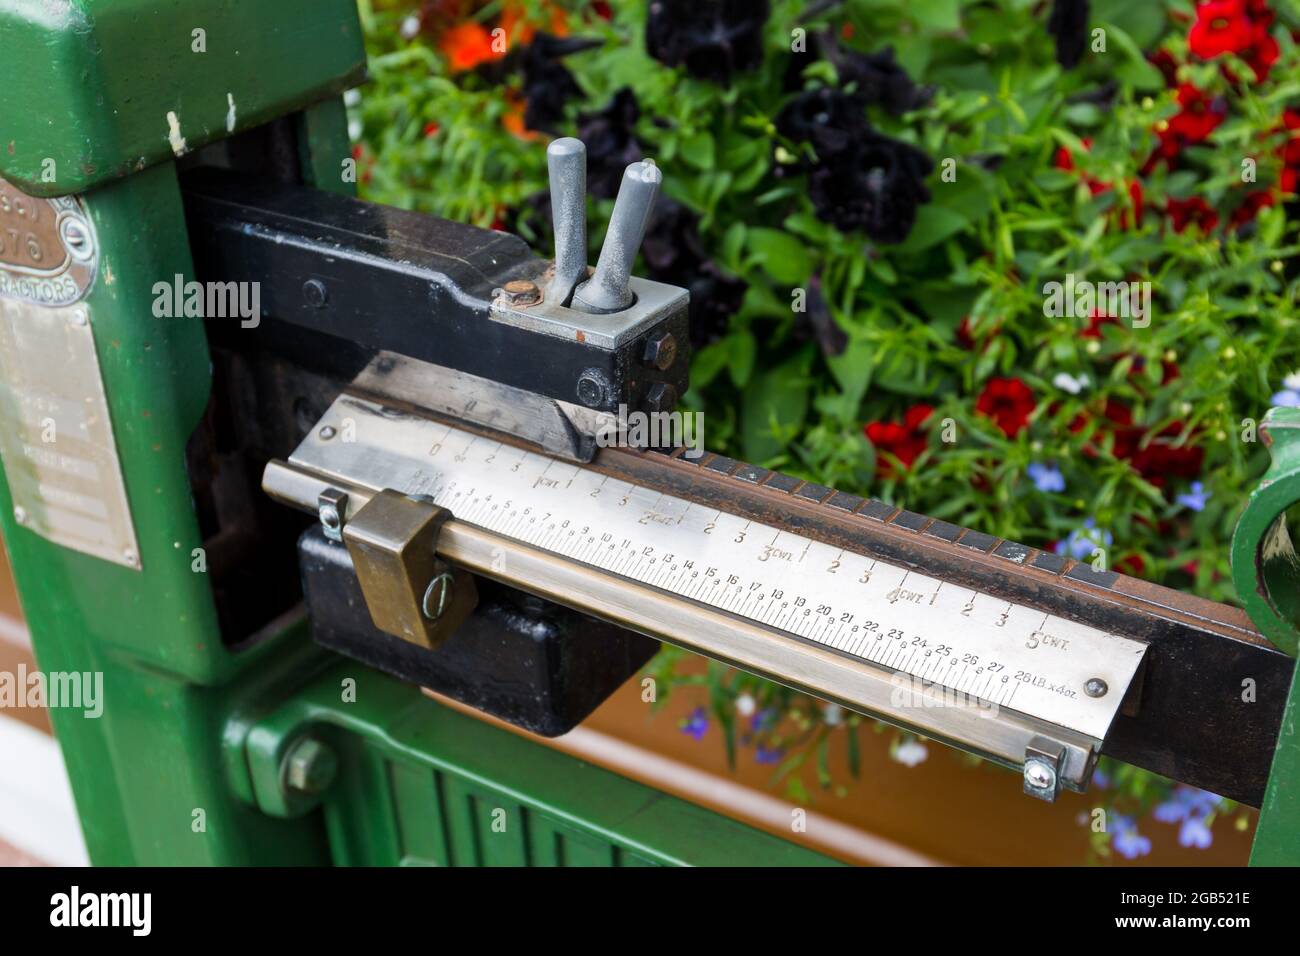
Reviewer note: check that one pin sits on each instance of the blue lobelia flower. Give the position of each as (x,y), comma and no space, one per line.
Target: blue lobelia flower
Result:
(764,754)
(1288,397)
(1126,841)
(1046,477)
(1186,803)
(696,725)
(1196,498)
(1194,833)
(1083,541)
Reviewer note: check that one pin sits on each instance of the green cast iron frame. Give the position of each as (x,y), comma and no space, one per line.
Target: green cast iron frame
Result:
(189,763)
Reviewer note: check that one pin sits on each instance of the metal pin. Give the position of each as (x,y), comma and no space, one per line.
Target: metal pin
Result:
(607,290)
(566,160)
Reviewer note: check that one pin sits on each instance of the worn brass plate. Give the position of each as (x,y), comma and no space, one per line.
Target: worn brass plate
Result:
(48,254)
(56,438)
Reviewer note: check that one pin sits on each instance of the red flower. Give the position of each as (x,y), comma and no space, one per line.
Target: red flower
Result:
(905,442)
(1198,117)
(431,129)
(1262,53)
(466,46)
(1164,61)
(1250,207)
(1160,459)
(1131,564)
(1095,322)
(1065,161)
(1192,212)
(1009,402)
(1222,26)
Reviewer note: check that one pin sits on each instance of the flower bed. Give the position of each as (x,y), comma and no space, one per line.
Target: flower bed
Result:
(1027,266)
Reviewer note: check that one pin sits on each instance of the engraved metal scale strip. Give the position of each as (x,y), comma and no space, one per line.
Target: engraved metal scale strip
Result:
(851,602)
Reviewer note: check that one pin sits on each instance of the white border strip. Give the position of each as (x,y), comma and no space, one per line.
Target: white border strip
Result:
(37,812)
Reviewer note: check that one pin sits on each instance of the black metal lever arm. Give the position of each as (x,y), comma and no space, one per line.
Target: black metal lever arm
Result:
(385,279)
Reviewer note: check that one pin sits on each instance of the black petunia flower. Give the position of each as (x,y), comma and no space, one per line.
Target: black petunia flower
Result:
(610,137)
(674,254)
(1069,25)
(879,79)
(876,187)
(547,83)
(831,120)
(712,39)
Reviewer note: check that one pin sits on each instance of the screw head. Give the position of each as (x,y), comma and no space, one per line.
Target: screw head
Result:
(1039,775)
(310,766)
(661,351)
(315,294)
(76,239)
(661,397)
(1096,687)
(129,556)
(327,433)
(592,388)
(436,595)
(79,317)
(20,515)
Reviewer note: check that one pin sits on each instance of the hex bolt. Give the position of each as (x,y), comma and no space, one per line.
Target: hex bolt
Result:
(521,292)
(315,294)
(566,161)
(1096,687)
(661,351)
(607,290)
(592,388)
(661,397)
(1039,775)
(309,767)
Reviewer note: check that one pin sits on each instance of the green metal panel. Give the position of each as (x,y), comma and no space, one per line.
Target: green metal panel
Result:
(106,88)
(422,784)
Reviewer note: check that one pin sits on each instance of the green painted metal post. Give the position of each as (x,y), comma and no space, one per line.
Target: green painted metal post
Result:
(134,84)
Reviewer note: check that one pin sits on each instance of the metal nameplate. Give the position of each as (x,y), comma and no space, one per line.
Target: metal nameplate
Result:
(56,437)
(48,253)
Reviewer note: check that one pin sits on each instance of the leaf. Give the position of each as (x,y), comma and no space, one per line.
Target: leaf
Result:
(852,370)
(783,256)
(937,15)
(741,363)
(777,402)
(934,224)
